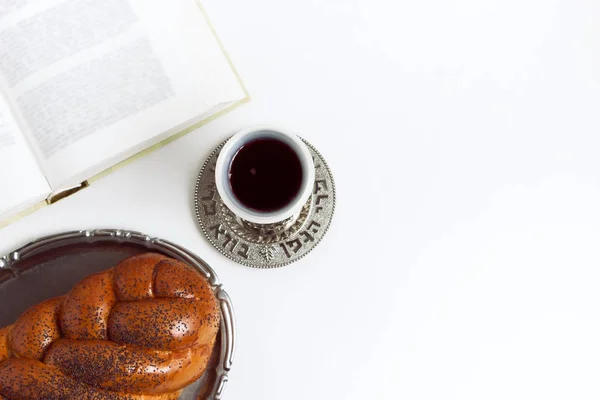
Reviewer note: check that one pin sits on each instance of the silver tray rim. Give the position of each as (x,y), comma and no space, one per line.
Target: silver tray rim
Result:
(228,327)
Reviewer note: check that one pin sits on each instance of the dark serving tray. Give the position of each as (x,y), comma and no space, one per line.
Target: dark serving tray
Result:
(51,266)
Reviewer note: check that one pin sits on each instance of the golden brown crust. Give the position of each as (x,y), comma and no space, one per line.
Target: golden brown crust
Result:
(141,331)
(87,307)
(134,277)
(176,279)
(23,379)
(31,340)
(4,349)
(128,369)
(170,324)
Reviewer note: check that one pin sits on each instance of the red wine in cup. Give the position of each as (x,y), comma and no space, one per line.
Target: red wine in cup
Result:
(265,175)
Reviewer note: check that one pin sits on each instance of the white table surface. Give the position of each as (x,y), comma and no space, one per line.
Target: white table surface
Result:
(463,261)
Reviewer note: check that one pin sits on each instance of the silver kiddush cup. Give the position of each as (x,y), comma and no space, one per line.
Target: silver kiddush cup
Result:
(272,222)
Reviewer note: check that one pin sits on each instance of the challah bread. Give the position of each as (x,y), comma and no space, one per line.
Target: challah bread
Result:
(142,330)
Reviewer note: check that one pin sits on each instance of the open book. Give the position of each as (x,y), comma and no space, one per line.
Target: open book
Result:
(85,84)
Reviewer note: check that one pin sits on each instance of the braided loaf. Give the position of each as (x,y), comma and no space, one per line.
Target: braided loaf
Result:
(142,330)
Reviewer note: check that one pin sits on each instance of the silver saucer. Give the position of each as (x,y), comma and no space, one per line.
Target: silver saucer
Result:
(260,246)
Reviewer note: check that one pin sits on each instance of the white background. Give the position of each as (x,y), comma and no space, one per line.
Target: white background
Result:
(463,261)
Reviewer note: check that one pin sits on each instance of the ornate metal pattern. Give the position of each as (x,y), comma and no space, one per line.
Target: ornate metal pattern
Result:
(271,233)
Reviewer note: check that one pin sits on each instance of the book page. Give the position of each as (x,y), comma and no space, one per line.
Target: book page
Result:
(92,79)
(21,179)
